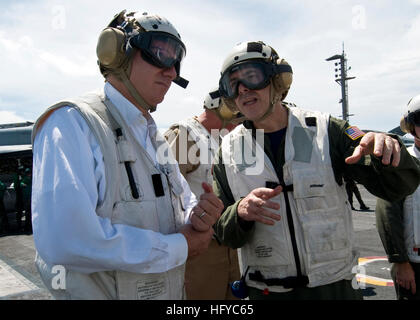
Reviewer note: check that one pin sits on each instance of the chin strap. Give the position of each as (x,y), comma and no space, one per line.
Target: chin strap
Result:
(133,91)
(273,101)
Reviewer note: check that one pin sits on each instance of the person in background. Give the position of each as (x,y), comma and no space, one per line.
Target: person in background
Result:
(351,188)
(194,142)
(398,222)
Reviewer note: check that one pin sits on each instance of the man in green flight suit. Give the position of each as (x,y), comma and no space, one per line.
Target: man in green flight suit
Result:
(398,222)
(279,176)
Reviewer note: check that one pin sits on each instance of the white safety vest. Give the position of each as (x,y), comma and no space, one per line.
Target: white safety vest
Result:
(162,213)
(208,146)
(412,219)
(319,208)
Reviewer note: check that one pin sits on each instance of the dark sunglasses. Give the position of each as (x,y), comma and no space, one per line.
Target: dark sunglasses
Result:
(160,49)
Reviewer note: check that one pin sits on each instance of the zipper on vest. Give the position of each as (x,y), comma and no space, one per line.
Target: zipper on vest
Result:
(292,230)
(303,279)
(132,182)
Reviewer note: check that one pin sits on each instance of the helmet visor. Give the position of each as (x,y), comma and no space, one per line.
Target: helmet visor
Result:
(162,50)
(414,118)
(254,75)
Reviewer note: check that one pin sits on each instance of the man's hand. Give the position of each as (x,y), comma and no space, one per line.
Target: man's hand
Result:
(205,214)
(378,144)
(198,241)
(253,206)
(404,276)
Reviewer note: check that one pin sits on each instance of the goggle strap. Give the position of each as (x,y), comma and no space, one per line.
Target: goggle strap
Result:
(273,101)
(281,68)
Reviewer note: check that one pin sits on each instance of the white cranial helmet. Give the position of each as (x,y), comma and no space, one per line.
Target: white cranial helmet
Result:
(411,117)
(276,71)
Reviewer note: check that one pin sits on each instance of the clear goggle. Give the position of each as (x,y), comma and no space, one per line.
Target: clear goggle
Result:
(254,75)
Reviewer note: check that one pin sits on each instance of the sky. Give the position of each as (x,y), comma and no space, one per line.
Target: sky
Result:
(48,52)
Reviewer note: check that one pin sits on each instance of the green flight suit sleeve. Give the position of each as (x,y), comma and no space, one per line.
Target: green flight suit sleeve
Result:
(384,181)
(389,222)
(230,229)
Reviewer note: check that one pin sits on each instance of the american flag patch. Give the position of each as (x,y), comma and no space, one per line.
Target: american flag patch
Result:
(354,132)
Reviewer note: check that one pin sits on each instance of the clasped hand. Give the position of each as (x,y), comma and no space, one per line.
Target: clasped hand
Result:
(207,211)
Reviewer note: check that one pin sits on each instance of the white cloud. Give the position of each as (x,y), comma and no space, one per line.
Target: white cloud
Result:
(69,67)
(413,33)
(10,117)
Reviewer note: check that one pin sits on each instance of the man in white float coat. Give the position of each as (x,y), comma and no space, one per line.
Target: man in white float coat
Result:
(194,142)
(109,211)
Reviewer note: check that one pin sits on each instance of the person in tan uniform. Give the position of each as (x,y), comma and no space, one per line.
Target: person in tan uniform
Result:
(194,142)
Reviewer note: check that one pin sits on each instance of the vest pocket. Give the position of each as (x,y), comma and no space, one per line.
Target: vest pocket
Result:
(269,245)
(141,214)
(325,241)
(136,286)
(151,286)
(324,227)
(309,185)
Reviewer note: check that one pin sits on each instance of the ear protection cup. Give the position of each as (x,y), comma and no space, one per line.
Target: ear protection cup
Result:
(225,112)
(230,103)
(406,126)
(214,103)
(282,81)
(227,115)
(110,48)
